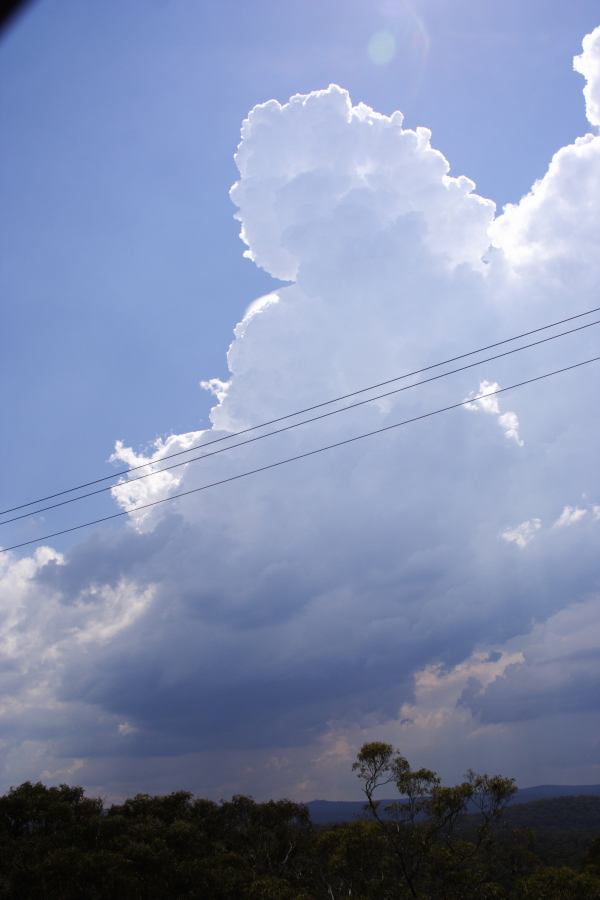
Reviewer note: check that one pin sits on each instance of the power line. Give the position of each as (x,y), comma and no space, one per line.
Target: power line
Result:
(299,456)
(324,415)
(299,412)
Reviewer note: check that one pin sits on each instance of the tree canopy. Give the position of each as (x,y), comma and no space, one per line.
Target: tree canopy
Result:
(433,841)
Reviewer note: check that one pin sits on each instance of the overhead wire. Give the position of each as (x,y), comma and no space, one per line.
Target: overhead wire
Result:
(294,425)
(299,412)
(307,409)
(300,456)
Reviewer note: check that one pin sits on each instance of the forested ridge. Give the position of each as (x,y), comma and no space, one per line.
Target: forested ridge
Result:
(55,842)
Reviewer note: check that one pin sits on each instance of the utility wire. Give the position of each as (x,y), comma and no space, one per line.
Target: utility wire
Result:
(324,415)
(299,412)
(304,455)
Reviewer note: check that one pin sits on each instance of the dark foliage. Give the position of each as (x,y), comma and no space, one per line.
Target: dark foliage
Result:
(58,844)
(564,827)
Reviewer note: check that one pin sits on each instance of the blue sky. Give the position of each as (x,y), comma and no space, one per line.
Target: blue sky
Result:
(122,275)
(437,588)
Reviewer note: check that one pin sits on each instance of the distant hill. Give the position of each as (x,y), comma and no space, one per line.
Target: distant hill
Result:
(328,812)
(579,813)
(548,791)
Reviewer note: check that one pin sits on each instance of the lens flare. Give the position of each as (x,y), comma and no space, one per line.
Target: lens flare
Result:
(402,44)
(382,47)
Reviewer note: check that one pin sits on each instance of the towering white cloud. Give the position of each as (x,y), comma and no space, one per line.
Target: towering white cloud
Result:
(374,166)
(555,228)
(277,618)
(588,64)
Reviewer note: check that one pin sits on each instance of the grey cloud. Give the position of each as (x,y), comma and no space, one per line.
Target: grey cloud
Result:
(253,616)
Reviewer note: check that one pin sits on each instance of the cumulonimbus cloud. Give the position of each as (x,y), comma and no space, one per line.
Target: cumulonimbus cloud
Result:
(252,621)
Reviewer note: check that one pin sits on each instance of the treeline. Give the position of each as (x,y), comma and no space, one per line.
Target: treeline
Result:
(435,842)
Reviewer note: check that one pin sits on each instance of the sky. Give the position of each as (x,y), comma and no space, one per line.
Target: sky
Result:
(436,586)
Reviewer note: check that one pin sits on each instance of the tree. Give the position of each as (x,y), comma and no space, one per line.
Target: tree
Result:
(592,859)
(558,883)
(425,829)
